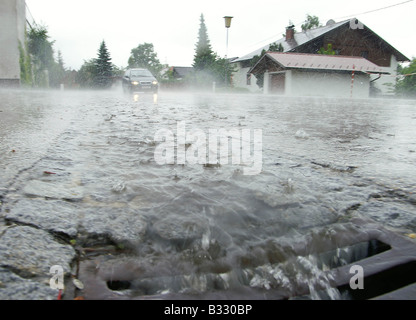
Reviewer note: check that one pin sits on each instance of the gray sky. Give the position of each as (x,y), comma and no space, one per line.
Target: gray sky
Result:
(79,26)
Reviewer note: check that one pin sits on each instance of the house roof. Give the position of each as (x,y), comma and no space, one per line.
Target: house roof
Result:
(302,38)
(319,62)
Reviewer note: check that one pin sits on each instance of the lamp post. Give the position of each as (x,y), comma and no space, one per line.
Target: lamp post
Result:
(228,20)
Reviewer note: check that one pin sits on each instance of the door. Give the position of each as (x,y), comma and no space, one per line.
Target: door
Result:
(278,83)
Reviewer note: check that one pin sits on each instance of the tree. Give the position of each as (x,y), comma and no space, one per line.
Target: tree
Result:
(222,71)
(145,57)
(61,60)
(41,50)
(103,68)
(204,56)
(118,71)
(86,74)
(97,73)
(276,47)
(329,51)
(208,66)
(25,65)
(57,72)
(40,47)
(40,60)
(406,86)
(311,22)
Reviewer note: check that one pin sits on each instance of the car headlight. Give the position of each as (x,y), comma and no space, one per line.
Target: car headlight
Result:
(155,82)
(135,83)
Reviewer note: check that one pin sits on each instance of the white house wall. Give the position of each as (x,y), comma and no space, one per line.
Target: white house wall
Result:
(12,30)
(299,83)
(240,79)
(386,84)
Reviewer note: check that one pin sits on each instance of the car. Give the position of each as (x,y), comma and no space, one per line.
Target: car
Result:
(140,80)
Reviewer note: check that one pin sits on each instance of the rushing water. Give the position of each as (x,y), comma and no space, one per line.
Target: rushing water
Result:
(210,226)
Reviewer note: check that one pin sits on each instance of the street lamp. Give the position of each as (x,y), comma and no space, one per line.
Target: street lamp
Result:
(228,20)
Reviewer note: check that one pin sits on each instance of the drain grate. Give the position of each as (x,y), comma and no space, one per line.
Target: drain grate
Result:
(118,285)
(388,261)
(384,282)
(348,255)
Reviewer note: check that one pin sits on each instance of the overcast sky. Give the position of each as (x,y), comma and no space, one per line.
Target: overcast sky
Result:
(79,26)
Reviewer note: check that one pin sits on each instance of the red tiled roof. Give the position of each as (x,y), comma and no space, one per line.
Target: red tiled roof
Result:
(324,62)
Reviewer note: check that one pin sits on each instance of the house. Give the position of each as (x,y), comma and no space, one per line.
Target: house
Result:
(348,38)
(12,37)
(303,74)
(180,73)
(175,77)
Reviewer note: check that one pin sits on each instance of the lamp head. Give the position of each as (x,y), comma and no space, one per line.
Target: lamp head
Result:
(228,21)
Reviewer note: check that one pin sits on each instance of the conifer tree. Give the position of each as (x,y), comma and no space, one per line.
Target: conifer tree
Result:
(208,66)
(103,68)
(204,57)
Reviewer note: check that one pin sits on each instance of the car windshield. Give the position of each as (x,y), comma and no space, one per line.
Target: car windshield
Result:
(140,73)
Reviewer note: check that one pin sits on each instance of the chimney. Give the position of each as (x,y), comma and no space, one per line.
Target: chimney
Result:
(290,33)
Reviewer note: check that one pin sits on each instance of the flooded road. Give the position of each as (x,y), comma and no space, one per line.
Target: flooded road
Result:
(80,166)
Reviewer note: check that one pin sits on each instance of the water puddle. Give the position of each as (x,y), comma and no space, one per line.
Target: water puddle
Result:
(84,166)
